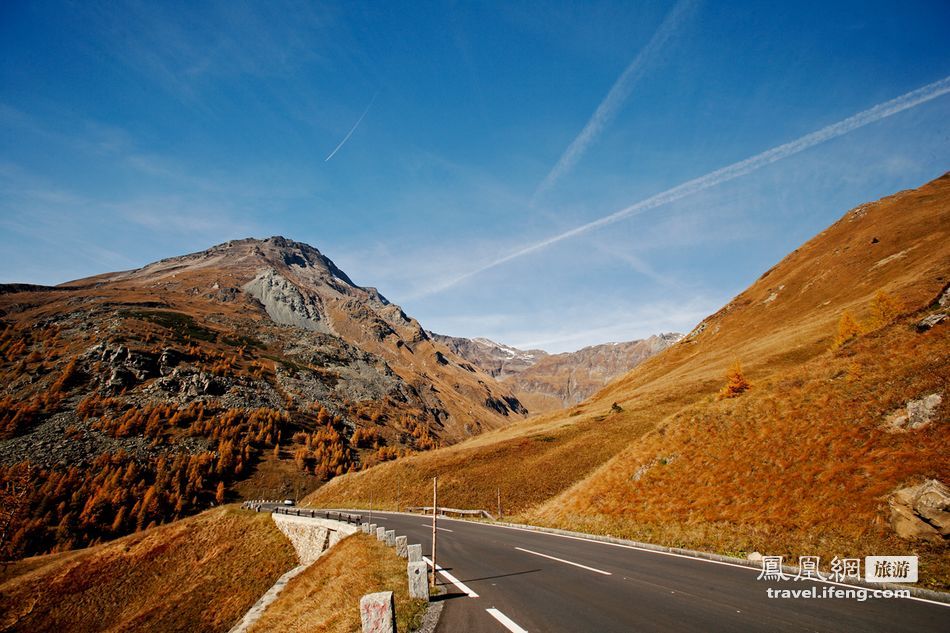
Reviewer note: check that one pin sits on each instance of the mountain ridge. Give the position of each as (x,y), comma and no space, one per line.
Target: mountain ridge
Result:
(552,381)
(250,364)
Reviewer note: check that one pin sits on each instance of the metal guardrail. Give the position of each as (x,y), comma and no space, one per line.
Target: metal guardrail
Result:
(442,510)
(277,507)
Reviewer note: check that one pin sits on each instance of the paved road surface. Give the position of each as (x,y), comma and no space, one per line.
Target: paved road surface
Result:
(536,582)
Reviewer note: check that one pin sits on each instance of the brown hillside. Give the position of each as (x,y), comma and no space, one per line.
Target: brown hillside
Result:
(199,574)
(140,397)
(557,468)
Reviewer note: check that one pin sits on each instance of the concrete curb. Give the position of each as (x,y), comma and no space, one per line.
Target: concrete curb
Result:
(255,612)
(433,612)
(915,592)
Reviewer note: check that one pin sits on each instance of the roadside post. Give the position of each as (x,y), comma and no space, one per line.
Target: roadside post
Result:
(435,514)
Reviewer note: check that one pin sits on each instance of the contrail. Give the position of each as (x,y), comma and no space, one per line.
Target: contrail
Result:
(612,103)
(352,129)
(881,111)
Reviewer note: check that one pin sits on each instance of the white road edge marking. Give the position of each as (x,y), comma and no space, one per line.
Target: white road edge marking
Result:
(506,621)
(561,560)
(429,525)
(452,579)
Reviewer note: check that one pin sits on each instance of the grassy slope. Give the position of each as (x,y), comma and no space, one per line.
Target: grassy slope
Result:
(900,244)
(198,574)
(325,598)
(799,465)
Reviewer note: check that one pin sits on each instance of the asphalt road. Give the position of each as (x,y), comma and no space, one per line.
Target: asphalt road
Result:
(533,581)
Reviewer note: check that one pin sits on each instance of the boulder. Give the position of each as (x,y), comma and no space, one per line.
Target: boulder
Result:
(922,511)
(119,379)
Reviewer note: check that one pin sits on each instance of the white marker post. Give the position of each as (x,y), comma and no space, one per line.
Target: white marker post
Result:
(435,512)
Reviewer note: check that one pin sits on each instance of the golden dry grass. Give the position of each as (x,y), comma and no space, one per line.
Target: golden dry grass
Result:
(797,464)
(198,574)
(325,598)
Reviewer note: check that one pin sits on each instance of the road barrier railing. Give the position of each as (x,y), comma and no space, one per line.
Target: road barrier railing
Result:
(277,507)
(442,510)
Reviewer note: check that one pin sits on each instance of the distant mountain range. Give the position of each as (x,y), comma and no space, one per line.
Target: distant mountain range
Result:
(545,382)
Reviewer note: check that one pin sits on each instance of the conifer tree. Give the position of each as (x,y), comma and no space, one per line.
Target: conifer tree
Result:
(884,309)
(848,328)
(736,382)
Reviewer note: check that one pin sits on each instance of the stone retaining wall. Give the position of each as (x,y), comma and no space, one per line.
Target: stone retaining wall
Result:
(312,537)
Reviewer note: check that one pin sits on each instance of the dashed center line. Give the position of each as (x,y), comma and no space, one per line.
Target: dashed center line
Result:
(452,579)
(567,562)
(506,621)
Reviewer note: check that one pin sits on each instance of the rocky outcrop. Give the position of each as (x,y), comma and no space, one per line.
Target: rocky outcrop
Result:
(922,512)
(64,440)
(190,383)
(123,366)
(940,314)
(916,414)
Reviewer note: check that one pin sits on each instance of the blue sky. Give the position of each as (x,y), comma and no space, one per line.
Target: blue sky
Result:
(130,132)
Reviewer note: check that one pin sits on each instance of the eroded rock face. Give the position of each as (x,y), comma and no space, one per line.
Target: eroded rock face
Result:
(285,304)
(916,414)
(922,512)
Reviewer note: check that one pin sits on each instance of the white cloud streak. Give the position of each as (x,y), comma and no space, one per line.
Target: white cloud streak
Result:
(735,170)
(610,106)
(352,129)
